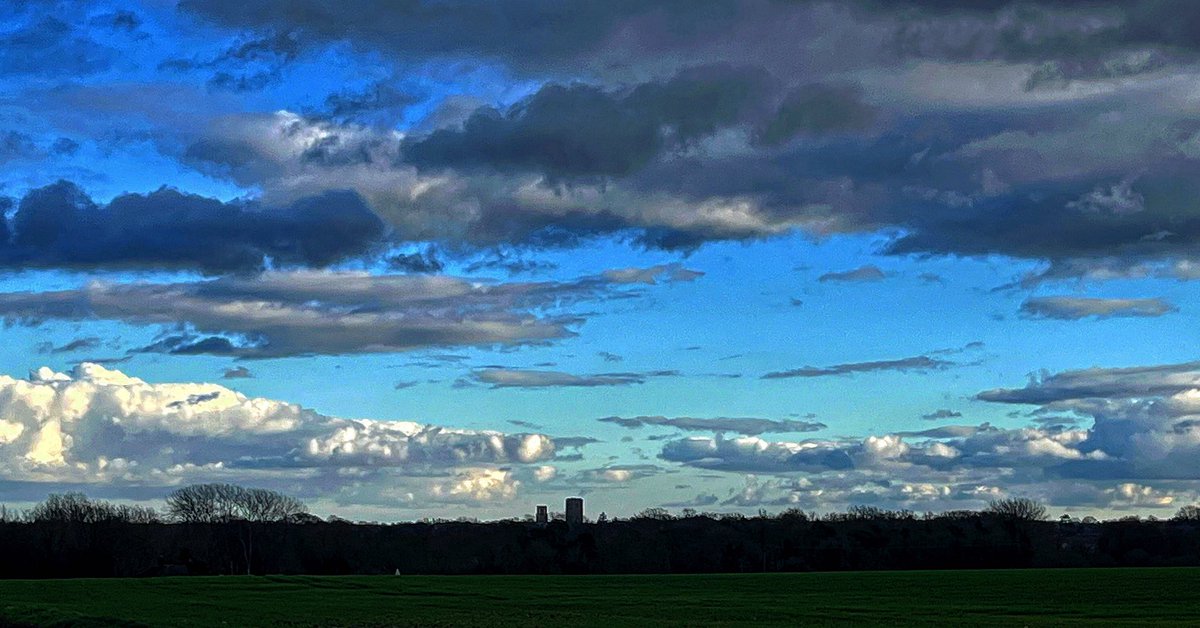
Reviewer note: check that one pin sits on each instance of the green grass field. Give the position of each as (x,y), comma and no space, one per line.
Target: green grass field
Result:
(961,598)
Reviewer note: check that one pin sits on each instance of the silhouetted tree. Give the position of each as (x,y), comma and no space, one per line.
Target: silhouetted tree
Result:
(225,503)
(1018,509)
(657,514)
(227,529)
(220,503)
(1190,512)
(78,508)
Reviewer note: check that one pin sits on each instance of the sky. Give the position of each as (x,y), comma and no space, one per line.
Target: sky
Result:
(450,258)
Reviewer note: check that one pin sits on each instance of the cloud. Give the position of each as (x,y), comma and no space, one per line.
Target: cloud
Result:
(417,262)
(1143,417)
(95,425)
(942,413)
(1049,131)
(45,45)
(817,109)
(587,38)
(79,344)
(237,372)
(860,274)
(1101,383)
(1024,457)
(740,425)
(527,378)
(574,442)
(578,131)
(292,157)
(476,486)
(378,100)
(246,65)
(545,473)
(652,275)
(16,145)
(510,262)
(618,474)
(278,314)
(699,501)
(1075,308)
(1142,432)
(525,35)
(920,364)
(59,226)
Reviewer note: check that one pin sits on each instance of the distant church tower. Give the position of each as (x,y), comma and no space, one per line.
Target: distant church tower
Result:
(543,516)
(574,510)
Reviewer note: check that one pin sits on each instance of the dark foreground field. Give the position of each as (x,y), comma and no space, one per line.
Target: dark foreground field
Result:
(961,598)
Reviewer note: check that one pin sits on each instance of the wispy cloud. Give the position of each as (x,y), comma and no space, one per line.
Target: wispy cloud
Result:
(1076,308)
(528,378)
(867,273)
(331,313)
(920,364)
(941,414)
(741,425)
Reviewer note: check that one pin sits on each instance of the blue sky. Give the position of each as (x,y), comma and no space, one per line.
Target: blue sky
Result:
(455,259)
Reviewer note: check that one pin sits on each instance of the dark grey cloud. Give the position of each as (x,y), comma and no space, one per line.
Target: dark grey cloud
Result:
(379,101)
(574,441)
(579,131)
(237,372)
(1056,223)
(64,146)
(1033,129)
(750,426)
(426,261)
(941,414)
(1076,39)
(121,20)
(79,344)
(920,363)
(869,272)
(279,314)
(818,109)
(246,65)
(43,45)
(526,34)
(753,455)
(530,37)
(16,145)
(512,262)
(1075,308)
(59,226)
(1101,383)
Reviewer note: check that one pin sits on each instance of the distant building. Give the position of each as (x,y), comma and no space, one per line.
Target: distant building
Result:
(543,516)
(574,510)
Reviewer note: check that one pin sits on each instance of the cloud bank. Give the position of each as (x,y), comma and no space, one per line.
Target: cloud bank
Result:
(95,425)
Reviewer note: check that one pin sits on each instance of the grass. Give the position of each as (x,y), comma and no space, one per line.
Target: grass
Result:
(1131,597)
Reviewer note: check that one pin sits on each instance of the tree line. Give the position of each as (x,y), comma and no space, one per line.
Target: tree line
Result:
(227,529)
